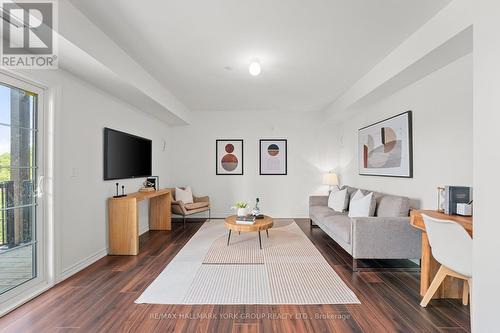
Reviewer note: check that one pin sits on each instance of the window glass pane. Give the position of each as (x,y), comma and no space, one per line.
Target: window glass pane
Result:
(16,147)
(16,227)
(16,187)
(16,107)
(18,110)
(16,266)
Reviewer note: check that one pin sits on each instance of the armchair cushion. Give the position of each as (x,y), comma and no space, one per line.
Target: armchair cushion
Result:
(196,205)
(184,195)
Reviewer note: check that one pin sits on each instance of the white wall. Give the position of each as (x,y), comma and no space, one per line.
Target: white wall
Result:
(81,113)
(445,37)
(442,116)
(486,267)
(311,151)
(442,135)
(88,52)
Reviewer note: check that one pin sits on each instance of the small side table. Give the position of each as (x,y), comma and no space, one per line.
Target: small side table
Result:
(260,224)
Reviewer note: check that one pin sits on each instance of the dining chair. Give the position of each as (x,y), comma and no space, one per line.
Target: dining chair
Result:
(451,246)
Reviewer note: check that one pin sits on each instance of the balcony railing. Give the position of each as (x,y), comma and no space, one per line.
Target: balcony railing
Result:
(10,211)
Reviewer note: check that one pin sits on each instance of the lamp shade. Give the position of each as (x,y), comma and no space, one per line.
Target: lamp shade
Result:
(330,179)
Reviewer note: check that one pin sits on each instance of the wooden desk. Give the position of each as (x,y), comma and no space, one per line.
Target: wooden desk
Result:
(451,287)
(123,219)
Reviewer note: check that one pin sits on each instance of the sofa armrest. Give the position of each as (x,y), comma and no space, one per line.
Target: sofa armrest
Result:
(385,238)
(318,200)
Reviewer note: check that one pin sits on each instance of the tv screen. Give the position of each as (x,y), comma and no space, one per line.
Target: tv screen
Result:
(126,155)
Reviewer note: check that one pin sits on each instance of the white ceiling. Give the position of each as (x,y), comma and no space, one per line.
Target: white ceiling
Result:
(310,50)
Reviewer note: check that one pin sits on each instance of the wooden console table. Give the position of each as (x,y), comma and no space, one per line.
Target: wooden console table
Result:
(123,219)
(451,287)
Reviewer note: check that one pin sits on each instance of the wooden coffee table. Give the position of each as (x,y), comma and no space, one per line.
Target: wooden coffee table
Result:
(260,224)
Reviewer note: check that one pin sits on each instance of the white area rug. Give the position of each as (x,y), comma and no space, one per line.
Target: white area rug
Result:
(288,270)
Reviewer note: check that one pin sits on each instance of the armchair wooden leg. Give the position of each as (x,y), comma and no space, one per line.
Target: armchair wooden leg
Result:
(465,293)
(438,279)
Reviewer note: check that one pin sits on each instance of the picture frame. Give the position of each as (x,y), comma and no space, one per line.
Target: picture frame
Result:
(154,180)
(385,148)
(229,157)
(273,155)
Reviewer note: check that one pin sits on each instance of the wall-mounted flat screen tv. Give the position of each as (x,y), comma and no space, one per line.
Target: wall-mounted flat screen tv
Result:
(126,155)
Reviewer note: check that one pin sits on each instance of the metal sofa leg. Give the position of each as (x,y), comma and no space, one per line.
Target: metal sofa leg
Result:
(354,265)
(209,215)
(184,221)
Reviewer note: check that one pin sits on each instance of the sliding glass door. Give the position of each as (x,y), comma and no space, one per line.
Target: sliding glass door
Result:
(19,186)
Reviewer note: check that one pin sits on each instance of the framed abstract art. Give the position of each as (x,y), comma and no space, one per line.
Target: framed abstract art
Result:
(273,157)
(229,157)
(385,148)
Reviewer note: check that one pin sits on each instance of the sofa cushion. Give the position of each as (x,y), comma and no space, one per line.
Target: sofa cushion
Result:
(393,206)
(196,205)
(351,191)
(340,225)
(362,205)
(320,212)
(338,200)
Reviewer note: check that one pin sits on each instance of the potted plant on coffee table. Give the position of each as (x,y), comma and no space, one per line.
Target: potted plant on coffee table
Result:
(241,207)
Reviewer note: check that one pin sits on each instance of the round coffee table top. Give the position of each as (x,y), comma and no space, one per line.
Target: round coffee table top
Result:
(260,224)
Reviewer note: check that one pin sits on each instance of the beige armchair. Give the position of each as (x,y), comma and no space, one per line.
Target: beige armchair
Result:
(199,205)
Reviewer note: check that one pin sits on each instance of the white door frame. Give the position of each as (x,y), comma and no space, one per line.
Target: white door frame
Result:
(44,211)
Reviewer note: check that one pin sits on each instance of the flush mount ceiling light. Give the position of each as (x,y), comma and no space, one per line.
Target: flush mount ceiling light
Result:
(254,68)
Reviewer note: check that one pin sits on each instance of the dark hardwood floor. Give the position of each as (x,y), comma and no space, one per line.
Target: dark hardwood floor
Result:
(101,299)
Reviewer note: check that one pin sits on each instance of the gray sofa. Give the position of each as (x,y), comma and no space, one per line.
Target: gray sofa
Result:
(387,235)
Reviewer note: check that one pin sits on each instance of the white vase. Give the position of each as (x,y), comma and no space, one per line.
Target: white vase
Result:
(242,212)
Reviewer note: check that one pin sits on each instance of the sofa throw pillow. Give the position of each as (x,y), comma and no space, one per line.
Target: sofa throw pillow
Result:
(362,205)
(338,200)
(184,194)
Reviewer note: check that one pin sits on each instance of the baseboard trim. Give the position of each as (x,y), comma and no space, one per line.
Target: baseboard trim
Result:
(222,215)
(19,300)
(177,218)
(82,264)
(143,230)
